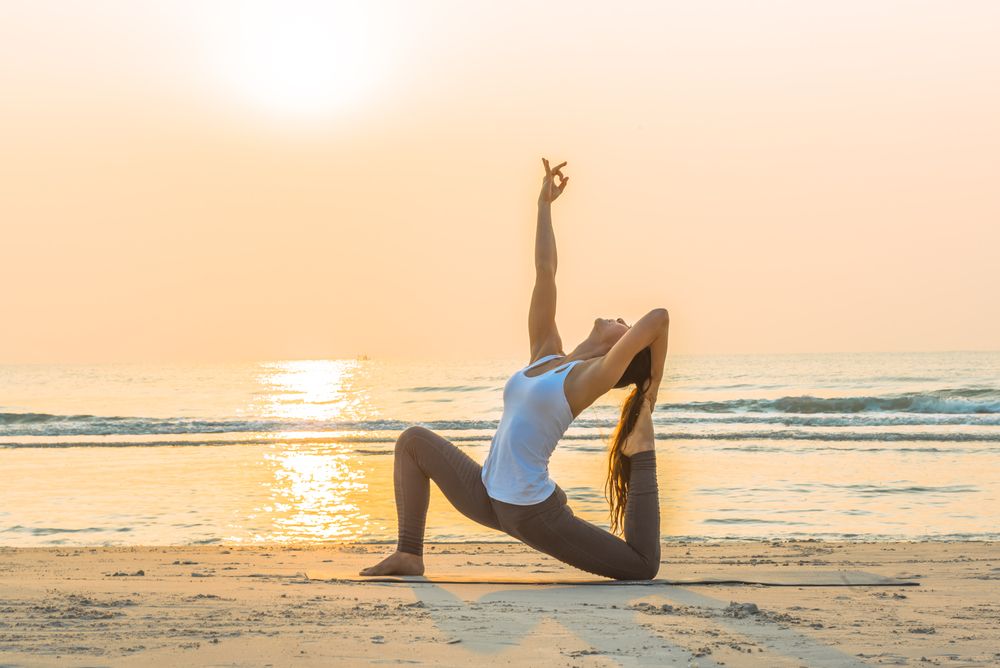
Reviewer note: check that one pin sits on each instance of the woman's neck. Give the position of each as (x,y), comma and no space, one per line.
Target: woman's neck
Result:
(587,350)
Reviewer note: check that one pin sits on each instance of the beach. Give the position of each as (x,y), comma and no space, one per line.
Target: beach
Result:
(290,605)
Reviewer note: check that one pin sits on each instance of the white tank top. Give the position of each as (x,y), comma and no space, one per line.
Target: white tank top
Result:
(535,416)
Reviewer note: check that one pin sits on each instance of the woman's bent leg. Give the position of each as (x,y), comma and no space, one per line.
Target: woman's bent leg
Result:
(422,456)
(556,531)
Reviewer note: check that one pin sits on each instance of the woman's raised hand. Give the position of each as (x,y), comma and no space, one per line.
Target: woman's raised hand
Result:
(551,190)
(650,398)
(641,437)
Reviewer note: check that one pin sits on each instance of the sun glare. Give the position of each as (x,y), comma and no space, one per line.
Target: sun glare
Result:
(298,60)
(310,390)
(315,495)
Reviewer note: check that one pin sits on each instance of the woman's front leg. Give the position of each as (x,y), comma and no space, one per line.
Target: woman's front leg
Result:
(559,533)
(422,455)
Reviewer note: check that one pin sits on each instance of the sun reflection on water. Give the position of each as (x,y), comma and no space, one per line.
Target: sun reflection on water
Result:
(314,489)
(312,390)
(314,495)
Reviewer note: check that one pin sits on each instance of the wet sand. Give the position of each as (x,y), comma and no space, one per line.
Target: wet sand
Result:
(256,606)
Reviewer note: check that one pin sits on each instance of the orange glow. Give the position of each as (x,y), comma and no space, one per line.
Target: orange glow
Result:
(242,181)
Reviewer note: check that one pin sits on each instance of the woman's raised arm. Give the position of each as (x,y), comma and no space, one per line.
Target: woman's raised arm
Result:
(658,348)
(543,334)
(545,238)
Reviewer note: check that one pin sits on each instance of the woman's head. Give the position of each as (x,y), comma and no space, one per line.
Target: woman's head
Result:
(639,370)
(607,331)
(638,374)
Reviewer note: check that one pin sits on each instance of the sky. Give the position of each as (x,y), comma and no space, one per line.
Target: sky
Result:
(298,180)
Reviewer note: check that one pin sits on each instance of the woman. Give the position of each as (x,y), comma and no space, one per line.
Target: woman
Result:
(512,492)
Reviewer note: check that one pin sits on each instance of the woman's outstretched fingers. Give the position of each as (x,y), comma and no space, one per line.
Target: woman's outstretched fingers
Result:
(550,170)
(562,183)
(550,189)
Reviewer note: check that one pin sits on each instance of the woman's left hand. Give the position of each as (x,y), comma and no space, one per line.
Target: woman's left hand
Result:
(649,396)
(642,436)
(550,191)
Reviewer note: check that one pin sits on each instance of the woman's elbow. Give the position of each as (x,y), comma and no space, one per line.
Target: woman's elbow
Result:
(662,315)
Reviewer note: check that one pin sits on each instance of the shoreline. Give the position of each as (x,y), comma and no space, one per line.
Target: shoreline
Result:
(256,605)
(672,541)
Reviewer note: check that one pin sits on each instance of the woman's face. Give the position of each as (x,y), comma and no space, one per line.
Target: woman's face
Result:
(609,330)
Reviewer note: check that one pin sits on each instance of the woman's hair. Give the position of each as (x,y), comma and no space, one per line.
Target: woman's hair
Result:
(639,374)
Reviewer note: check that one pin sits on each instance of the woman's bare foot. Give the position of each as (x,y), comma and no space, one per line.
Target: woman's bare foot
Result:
(397,563)
(641,438)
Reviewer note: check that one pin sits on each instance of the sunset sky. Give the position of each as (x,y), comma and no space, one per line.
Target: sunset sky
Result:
(290,180)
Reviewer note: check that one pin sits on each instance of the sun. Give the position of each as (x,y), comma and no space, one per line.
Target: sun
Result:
(297,59)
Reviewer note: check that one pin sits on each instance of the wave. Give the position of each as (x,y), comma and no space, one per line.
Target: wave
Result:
(48,531)
(447,388)
(828,420)
(258,432)
(813,412)
(859,489)
(962,406)
(576,442)
(43,424)
(962,400)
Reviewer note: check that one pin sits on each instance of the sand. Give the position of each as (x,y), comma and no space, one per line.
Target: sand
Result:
(257,606)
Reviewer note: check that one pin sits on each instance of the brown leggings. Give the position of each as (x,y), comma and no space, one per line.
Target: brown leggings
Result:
(549,526)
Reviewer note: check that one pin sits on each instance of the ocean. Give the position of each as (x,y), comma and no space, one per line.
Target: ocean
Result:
(872,446)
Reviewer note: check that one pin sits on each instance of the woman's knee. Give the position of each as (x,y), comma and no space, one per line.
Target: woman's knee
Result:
(644,571)
(411,436)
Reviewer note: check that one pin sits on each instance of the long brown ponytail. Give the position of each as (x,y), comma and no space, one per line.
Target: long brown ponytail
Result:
(638,374)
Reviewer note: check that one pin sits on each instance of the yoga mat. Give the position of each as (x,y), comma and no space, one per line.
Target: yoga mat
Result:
(797,578)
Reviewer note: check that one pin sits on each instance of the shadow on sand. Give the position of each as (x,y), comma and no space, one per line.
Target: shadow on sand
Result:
(620,631)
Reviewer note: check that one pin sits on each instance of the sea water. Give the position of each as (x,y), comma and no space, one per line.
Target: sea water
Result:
(846,446)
